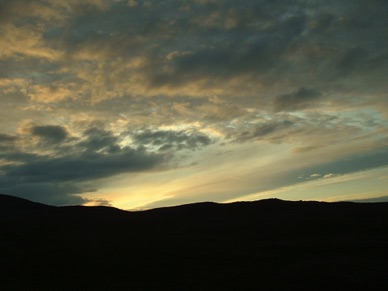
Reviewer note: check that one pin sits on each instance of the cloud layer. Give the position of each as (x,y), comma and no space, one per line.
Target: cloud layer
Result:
(91,90)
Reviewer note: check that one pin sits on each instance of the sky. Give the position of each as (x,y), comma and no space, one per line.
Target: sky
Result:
(144,104)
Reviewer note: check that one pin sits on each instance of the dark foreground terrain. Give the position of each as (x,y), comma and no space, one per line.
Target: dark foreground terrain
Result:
(264,245)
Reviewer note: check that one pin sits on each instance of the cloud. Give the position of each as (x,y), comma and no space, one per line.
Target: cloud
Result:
(299,99)
(71,166)
(269,130)
(21,42)
(99,140)
(329,175)
(95,155)
(7,142)
(52,133)
(372,200)
(132,3)
(216,61)
(98,202)
(86,166)
(270,127)
(353,162)
(6,138)
(325,176)
(45,192)
(169,139)
(76,164)
(305,149)
(223,48)
(352,59)
(138,83)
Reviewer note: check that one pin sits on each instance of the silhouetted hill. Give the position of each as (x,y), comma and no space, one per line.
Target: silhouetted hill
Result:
(263,245)
(15,204)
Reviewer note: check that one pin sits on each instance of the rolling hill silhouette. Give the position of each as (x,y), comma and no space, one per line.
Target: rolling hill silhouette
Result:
(262,245)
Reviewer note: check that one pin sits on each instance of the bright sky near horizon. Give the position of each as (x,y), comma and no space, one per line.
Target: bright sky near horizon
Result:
(142,104)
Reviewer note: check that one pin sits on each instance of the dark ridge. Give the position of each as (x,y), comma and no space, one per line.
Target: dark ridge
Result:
(85,210)
(261,245)
(7,201)
(15,205)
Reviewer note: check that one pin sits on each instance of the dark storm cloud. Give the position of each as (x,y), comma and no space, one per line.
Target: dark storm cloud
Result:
(6,138)
(169,139)
(100,140)
(237,54)
(97,154)
(56,178)
(53,133)
(83,167)
(299,99)
(13,155)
